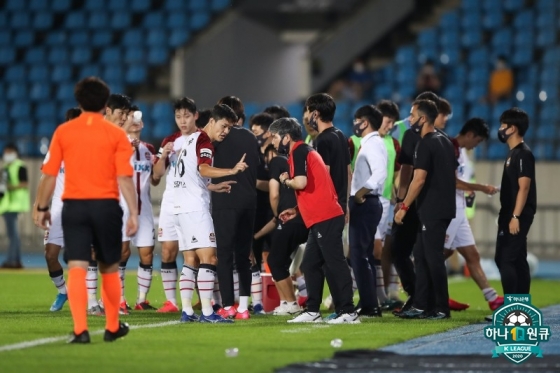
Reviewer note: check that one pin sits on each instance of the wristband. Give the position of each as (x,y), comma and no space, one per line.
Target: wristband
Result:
(42,209)
(399,200)
(515,217)
(404,207)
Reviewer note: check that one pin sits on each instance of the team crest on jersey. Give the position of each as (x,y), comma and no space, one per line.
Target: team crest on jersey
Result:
(212,237)
(205,153)
(190,141)
(507,162)
(148,156)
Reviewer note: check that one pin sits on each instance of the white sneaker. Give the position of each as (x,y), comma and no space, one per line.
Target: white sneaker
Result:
(307,317)
(345,318)
(285,309)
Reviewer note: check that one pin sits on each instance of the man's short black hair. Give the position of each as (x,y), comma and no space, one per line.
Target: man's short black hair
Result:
(287,126)
(428,95)
(477,126)
(516,117)
(371,114)
(270,149)
(389,109)
(444,107)
(236,104)
(92,94)
(277,111)
(324,104)
(118,101)
(203,118)
(185,103)
(428,108)
(72,113)
(11,146)
(262,120)
(222,111)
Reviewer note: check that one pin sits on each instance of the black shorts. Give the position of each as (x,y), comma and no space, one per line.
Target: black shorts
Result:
(92,222)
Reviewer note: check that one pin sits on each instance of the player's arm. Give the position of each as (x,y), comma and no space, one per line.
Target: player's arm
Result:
(274,195)
(45,190)
(299,181)
(262,185)
(469,187)
(416,185)
(210,172)
(268,228)
(161,164)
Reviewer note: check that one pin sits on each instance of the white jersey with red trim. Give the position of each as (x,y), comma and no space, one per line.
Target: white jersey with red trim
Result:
(167,199)
(464,173)
(56,203)
(142,161)
(191,189)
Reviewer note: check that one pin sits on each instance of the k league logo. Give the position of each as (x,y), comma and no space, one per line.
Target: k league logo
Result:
(517,329)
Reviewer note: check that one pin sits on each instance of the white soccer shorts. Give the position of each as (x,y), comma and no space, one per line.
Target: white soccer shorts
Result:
(197,230)
(384,225)
(459,232)
(54,234)
(145,236)
(125,238)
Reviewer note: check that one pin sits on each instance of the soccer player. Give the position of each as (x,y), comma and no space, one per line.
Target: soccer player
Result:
(91,211)
(185,118)
(192,210)
(54,239)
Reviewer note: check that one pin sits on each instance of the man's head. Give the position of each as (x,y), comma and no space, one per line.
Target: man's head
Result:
(222,118)
(135,118)
(92,94)
(203,118)
(423,112)
(269,153)
(444,111)
(474,131)
(277,111)
(390,112)
(237,106)
(285,131)
(259,126)
(367,119)
(185,115)
(318,107)
(513,122)
(117,110)
(429,95)
(72,113)
(10,153)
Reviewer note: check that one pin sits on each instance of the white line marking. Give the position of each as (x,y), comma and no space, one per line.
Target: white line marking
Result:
(44,341)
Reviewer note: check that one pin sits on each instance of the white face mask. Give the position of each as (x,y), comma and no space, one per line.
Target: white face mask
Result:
(9,157)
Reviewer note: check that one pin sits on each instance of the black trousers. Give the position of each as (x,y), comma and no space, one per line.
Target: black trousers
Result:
(324,248)
(431,275)
(403,238)
(285,241)
(511,256)
(262,244)
(234,236)
(364,219)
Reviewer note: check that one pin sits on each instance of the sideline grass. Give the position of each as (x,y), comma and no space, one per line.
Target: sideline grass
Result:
(264,342)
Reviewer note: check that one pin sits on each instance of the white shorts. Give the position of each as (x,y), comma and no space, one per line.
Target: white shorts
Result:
(145,236)
(383,225)
(197,230)
(125,238)
(54,234)
(459,232)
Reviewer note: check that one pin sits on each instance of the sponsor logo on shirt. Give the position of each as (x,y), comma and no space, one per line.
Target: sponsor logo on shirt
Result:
(148,156)
(140,167)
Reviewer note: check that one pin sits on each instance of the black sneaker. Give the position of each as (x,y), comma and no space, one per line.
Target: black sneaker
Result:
(414,313)
(371,312)
(110,336)
(83,337)
(437,316)
(405,307)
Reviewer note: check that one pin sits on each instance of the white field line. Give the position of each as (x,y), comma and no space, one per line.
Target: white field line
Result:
(44,341)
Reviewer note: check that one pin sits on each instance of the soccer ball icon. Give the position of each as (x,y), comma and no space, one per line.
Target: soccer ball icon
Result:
(517,318)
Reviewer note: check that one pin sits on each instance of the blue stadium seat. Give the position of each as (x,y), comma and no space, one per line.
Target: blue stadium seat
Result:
(543,150)
(177,20)
(471,38)
(525,93)
(153,19)
(136,74)
(98,20)
(145,108)
(118,5)
(449,39)
(23,128)
(491,5)
(40,91)
(199,20)
(476,92)
(178,37)
(39,73)
(20,109)
(492,20)
(140,5)
(134,54)
(548,114)
(111,55)
(17,91)
(95,5)
(176,5)
(14,5)
(157,55)
(551,57)
(198,4)
(15,73)
(35,55)
(480,111)
(3,20)
(46,128)
(101,38)
(113,73)
(380,92)
(513,5)
(502,37)
(471,21)
(89,70)
(220,5)
(478,75)
(545,6)
(65,91)
(80,55)
(58,55)
(427,38)
(545,131)
(120,21)
(524,39)
(546,37)
(79,38)
(546,20)
(406,56)
(450,56)
(406,75)
(428,53)
(75,20)
(61,73)
(497,151)
(20,21)
(163,127)
(156,37)
(406,91)
(5,37)
(61,5)
(549,75)
(499,108)
(479,57)
(450,21)
(7,55)
(522,57)
(132,38)
(42,21)
(296,109)
(46,110)
(56,37)
(453,92)
(4,131)
(524,20)
(3,105)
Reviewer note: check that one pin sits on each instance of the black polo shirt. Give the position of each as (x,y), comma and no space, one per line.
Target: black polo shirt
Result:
(520,163)
(435,154)
(332,145)
(227,153)
(277,166)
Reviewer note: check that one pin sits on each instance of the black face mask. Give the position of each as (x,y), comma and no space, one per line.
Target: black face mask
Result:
(357,130)
(260,139)
(283,149)
(313,123)
(416,127)
(502,136)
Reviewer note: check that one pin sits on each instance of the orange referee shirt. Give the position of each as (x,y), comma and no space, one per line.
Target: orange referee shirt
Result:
(94,152)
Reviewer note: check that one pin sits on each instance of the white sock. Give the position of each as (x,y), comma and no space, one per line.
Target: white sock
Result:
(58,280)
(205,280)
(381,295)
(122,270)
(256,288)
(91,283)
(144,277)
(301,286)
(235,286)
(169,279)
(490,294)
(217,297)
(186,286)
(243,303)
(393,288)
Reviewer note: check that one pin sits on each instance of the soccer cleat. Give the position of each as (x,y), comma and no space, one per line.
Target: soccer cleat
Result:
(456,306)
(96,311)
(437,316)
(413,313)
(307,317)
(123,308)
(214,318)
(144,306)
(216,307)
(496,303)
(82,338)
(185,317)
(227,314)
(391,304)
(60,300)
(302,301)
(330,317)
(372,312)
(258,309)
(285,309)
(243,315)
(111,336)
(345,318)
(168,307)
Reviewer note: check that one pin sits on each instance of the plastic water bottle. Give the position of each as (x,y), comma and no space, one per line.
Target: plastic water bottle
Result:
(336,343)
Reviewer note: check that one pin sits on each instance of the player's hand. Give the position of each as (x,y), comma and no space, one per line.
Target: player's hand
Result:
(240,166)
(224,187)
(135,143)
(490,190)
(167,149)
(359,198)
(514,226)
(132,225)
(287,214)
(399,216)
(42,219)
(397,207)
(283,177)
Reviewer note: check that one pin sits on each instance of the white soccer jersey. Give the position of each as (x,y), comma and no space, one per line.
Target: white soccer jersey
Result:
(167,198)
(464,173)
(191,189)
(142,161)
(58,189)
